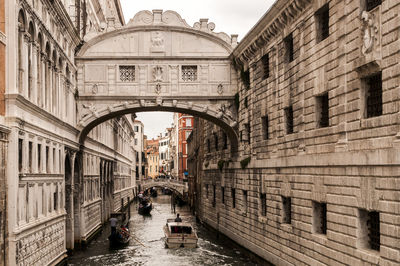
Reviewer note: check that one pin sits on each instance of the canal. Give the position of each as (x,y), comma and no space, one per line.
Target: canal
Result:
(149,248)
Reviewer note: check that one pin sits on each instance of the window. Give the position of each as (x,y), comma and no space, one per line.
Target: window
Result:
(247,127)
(214,197)
(265,66)
(216,141)
(322,111)
(265,127)
(319,217)
(371,4)
(187,133)
(127,74)
(373,89)
(223,195)
(207,191)
(233,192)
(136,129)
(245,76)
(135,141)
(225,138)
(369,229)
(20,154)
(287,210)
(245,201)
(289,119)
(30,155)
(288,42)
(39,156)
(322,22)
(208,145)
(189,122)
(263,199)
(189,73)
(47,159)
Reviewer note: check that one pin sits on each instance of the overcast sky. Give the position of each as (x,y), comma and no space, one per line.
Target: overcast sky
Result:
(229,16)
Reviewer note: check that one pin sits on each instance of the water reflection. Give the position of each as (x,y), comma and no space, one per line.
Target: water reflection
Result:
(147,244)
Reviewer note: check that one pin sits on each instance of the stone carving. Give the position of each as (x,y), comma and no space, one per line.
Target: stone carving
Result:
(370,31)
(158,74)
(157,42)
(157,89)
(95,89)
(220,89)
(174,103)
(223,110)
(159,101)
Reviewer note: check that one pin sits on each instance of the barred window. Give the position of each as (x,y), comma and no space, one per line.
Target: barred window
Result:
(265,66)
(371,4)
(223,194)
(265,127)
(214,197)
(245,201)
(288,41)
(233,192)
(287,210)
(369,235)
(289,119)
(322,20)
(189,73)
(323,110)
(263,198)
(373,86)
(127,73)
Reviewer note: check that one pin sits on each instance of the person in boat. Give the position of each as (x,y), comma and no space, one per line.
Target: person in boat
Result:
(113,224)
(178,219)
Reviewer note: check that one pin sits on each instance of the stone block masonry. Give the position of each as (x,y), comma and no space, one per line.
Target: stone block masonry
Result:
(322,135)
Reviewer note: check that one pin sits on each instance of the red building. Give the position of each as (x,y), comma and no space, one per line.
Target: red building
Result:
(185,127)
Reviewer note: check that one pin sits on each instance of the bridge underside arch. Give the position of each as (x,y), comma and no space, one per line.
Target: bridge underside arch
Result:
(218,117)
(176,191)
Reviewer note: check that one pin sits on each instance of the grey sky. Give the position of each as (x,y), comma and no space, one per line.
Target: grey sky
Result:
(229,16)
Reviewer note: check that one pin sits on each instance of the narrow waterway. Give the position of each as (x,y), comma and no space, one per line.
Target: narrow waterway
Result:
(149,248)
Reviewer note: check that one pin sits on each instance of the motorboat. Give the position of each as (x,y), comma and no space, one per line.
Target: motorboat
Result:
(179,234)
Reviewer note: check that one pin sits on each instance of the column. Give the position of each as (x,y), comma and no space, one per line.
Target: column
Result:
(34,96)
(25,74)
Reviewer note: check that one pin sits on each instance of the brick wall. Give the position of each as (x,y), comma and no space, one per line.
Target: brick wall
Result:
(351,164)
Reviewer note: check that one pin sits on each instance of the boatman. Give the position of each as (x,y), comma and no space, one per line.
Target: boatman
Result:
(178,219)
(113,224)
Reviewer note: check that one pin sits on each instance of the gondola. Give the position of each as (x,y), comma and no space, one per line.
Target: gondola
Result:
(145,206)
(119,238)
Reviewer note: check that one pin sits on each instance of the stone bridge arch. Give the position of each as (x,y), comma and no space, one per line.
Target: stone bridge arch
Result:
(157,62)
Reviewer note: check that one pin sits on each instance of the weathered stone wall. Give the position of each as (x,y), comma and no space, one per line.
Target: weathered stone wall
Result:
(351,164)
(3,186)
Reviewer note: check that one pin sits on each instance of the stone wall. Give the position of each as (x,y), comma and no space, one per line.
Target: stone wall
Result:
(3,185)
(318,174)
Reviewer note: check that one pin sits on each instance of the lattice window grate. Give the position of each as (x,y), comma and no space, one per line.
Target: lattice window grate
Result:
(189,73)
(127,73)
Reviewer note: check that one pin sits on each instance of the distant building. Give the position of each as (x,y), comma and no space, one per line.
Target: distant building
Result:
(153,159)
(139,149)
(185,127)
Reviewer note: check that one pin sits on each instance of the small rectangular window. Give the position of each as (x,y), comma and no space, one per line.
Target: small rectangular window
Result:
(287,210)
(216,141)
(263,199)
(47,159)
(288,41)
(20,154)
(265,66)
(189,73)
(39,156)
(247,127)
(208,145)
(127,74)
(233,192)
(214,197)
(322,111)
(245,77)
(223,195)
(322,22)
(289,119)
(207,191)
(319,217)
(265,127)
(373,88)
(30,155)
(371,4)
(245,201)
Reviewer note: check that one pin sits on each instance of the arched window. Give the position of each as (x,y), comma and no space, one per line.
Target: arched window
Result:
(47,80)
(31,33)
(39,77)
(54,89)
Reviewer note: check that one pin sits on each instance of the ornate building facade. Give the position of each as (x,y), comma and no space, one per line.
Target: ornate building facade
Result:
(59,191)
(316,178)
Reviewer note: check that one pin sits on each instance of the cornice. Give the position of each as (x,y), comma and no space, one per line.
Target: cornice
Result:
(269,26)
(120,13)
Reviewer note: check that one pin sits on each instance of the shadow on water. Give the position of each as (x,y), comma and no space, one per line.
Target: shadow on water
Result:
(147,247)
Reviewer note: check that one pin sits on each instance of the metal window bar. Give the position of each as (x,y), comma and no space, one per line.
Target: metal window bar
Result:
(374,95)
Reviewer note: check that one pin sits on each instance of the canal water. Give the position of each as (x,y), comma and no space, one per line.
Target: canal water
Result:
(148,248)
